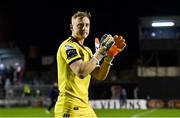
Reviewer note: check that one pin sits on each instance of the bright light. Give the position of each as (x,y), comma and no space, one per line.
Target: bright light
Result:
(162,24)
(153,34)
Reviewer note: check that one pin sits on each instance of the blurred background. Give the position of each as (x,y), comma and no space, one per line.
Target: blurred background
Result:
(148,68)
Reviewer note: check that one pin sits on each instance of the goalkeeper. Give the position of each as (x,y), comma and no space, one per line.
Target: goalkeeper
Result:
(76,64)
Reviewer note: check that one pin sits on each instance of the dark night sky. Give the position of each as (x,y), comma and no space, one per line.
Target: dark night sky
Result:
(46,23)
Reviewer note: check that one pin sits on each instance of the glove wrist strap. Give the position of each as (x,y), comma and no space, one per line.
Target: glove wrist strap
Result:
(109,60)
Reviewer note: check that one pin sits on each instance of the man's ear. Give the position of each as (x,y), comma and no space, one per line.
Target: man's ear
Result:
(71,27)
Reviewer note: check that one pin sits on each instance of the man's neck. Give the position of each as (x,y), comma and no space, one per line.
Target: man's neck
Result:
(80,41)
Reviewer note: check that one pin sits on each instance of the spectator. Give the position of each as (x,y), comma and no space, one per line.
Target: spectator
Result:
(27,90)
(2,87)
(8,88)
(53,94)
(18,73)
(123,96)
(115,91)
(136,89)
(3,71)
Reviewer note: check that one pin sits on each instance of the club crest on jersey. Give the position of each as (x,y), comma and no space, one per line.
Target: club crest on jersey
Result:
(70,51)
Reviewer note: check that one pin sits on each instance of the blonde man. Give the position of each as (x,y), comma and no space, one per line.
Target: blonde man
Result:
(76,64)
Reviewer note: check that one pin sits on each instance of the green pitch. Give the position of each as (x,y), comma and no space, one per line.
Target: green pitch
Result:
(40,112)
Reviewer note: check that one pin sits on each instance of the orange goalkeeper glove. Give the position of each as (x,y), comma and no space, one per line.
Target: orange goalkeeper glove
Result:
(117,47)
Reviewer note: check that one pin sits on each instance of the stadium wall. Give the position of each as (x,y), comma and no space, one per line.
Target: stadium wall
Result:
(159,87)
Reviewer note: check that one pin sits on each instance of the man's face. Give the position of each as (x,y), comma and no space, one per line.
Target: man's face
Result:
(80,27)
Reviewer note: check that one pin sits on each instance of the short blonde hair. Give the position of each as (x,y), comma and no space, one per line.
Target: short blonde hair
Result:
(81,14)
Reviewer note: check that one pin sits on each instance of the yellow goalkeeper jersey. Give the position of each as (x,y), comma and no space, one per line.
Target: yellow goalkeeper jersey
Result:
(73,90)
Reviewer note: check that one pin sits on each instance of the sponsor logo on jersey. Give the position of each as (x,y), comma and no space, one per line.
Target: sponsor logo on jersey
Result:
(70,51)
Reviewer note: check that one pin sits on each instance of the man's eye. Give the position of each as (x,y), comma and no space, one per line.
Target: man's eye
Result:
(80,25)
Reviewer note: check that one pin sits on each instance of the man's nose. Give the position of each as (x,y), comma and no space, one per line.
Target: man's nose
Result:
(84,27)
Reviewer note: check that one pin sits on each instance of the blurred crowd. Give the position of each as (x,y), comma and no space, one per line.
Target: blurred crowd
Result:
(10,76)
